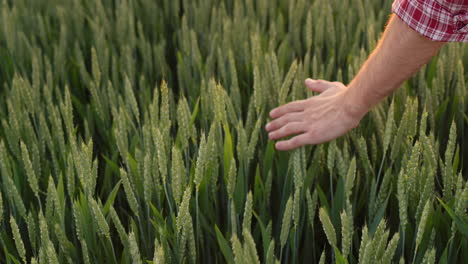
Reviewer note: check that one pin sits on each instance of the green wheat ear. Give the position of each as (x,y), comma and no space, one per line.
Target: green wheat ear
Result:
(159,255)
(311,206)
(183,121)
(270,256)
(283,92)
(422,223)
(364,241)
(1,207)
(389,127)
(322,258)
(131,199)
(347,229)
(237,249)
(429,257)
(18,240)
(134,251)
(296,207)
(111,141)
(201,162)
(99,218)
(118,225)
(448,175)
(85,253)
(328,227)
(247,220)
(177,174)
(32,178)
(402,195)
(286,223)
(231,181)
(250,250)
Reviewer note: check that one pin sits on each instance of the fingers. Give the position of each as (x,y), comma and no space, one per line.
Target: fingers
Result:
(296,106)
(288,130)
(283,120)
(318,85)
(295,142)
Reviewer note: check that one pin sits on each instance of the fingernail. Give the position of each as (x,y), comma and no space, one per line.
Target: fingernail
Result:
(268,126)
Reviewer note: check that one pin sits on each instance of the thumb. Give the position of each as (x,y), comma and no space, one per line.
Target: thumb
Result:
(318,85)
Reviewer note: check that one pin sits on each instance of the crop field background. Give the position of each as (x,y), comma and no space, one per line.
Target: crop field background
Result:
(132,131)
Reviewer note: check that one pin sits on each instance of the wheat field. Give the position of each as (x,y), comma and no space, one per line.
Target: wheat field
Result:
(132,131)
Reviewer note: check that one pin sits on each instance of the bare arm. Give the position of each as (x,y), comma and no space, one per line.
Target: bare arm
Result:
(400,53)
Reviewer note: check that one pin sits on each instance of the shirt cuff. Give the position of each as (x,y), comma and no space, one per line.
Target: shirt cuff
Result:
(432,20)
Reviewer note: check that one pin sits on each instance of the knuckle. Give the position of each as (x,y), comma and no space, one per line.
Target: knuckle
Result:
(287,128)
(288,116)
(273,135)
(274,124)
(310,134)
(295,141)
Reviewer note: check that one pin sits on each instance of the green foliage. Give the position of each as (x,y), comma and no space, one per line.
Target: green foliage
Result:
(132,132)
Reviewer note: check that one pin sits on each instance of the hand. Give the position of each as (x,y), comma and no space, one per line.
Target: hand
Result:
(315,120)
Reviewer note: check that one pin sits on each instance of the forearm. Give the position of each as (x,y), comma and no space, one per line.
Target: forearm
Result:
(400,53)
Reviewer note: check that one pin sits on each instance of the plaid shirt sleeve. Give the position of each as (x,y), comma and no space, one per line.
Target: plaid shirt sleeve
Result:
(437,20)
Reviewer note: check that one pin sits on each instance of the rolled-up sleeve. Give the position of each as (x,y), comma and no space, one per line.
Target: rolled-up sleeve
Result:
(435,19)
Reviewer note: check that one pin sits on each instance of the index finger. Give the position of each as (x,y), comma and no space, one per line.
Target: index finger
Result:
(296,106)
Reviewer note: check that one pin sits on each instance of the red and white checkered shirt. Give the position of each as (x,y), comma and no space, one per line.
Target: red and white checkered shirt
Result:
(437,20)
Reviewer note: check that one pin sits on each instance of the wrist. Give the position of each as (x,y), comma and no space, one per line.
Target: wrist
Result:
(355,103)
